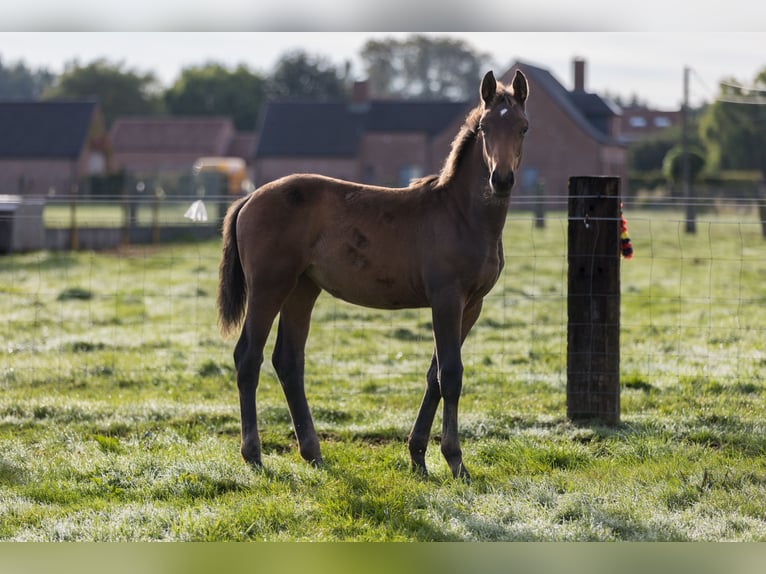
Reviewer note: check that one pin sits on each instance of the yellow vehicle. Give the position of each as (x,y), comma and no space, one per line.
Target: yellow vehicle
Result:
(233,170)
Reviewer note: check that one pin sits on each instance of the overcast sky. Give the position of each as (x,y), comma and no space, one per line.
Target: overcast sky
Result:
(630,51)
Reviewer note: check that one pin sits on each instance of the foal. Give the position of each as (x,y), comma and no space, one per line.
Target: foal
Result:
(436,243)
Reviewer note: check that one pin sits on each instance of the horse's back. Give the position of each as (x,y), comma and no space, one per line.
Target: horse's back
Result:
(358,242)
(322,201)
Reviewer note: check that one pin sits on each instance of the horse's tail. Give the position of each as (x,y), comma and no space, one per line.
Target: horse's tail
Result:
(232,289)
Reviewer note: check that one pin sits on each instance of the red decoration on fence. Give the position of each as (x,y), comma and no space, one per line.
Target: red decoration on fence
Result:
(626,247)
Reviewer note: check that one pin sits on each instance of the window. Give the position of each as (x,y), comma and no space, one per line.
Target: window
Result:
(637,122)
(662,122)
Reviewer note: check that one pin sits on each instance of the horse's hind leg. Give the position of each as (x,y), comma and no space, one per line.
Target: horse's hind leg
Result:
(248,357)
(289,358)
(418,439)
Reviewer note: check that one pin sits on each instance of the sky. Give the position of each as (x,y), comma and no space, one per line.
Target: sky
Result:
(628,52)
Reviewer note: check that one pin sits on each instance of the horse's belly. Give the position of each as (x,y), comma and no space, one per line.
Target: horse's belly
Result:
(366,287)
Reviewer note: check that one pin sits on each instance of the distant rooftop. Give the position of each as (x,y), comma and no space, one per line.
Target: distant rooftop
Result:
(334,129)
(188,135)
(50,129)
(589,111)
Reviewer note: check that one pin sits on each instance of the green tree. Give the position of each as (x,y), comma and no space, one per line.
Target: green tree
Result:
(214,89)
(119,91)
(17,82)
(648,154)
(298,74)
(734,126)
(423,67)
(672,166)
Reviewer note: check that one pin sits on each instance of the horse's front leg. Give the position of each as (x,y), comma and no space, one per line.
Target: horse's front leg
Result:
(447,321)
(418,439)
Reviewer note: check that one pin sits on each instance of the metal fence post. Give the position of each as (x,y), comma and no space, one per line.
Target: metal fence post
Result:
(593,331)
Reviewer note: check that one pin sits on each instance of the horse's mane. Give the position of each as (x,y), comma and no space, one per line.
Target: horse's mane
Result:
(465,136)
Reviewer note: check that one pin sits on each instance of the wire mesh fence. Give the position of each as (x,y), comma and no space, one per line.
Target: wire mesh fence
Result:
(693,310)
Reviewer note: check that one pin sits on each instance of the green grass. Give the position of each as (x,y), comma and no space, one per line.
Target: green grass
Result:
(119,413)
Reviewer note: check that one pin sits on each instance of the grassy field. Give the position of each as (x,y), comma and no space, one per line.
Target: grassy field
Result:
(119,413)
(109,213)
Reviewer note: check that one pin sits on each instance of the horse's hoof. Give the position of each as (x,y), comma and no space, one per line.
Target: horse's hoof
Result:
(419,469)
(256,466)
(462,474)
(317,462)
(253,460)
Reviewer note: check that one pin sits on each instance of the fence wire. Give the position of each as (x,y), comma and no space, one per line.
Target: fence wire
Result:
(693,311)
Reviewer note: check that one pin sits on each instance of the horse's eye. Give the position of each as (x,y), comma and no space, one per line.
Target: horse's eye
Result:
(482,128)
(524,130)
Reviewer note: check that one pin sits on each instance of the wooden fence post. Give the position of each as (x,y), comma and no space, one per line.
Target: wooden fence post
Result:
(540,205)
(593,331)
(74,238)
(125,207)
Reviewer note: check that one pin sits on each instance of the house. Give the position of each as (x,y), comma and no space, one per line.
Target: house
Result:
(572,132)
(156,144)
(47,148)
(168,149)
(639,122)
(383,142)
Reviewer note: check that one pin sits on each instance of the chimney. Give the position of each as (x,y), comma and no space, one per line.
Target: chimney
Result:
(579,75)
(361,92)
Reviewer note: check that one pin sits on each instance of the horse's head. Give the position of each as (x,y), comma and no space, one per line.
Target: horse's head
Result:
(502,127)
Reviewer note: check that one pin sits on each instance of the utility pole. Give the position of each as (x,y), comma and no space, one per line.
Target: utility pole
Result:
(691,224)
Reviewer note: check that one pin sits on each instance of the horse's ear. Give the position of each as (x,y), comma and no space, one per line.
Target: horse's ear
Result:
(488,87)
(520,87)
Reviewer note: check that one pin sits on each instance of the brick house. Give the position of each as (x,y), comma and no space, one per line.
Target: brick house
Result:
(173,144)
(638,122)
(48,147)
(571,133)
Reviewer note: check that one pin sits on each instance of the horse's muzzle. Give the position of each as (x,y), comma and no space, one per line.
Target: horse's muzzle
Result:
(501,185)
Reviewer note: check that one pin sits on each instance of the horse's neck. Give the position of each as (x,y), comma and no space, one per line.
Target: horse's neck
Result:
(469,188)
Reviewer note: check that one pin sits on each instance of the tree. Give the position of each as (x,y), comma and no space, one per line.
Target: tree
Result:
(647,155)
(734,126)
(119,91)
(672,166)
(423,67)
(17,82)
(214,89)
(300,75)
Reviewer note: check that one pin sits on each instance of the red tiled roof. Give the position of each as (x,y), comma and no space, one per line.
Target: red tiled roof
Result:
(201,136)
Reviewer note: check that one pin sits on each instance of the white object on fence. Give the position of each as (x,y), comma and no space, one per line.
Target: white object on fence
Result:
(196,211)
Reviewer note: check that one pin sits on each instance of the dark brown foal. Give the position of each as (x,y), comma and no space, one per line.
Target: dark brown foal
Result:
(436,243)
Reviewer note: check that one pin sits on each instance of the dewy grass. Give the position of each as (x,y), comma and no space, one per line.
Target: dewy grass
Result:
(119,415)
